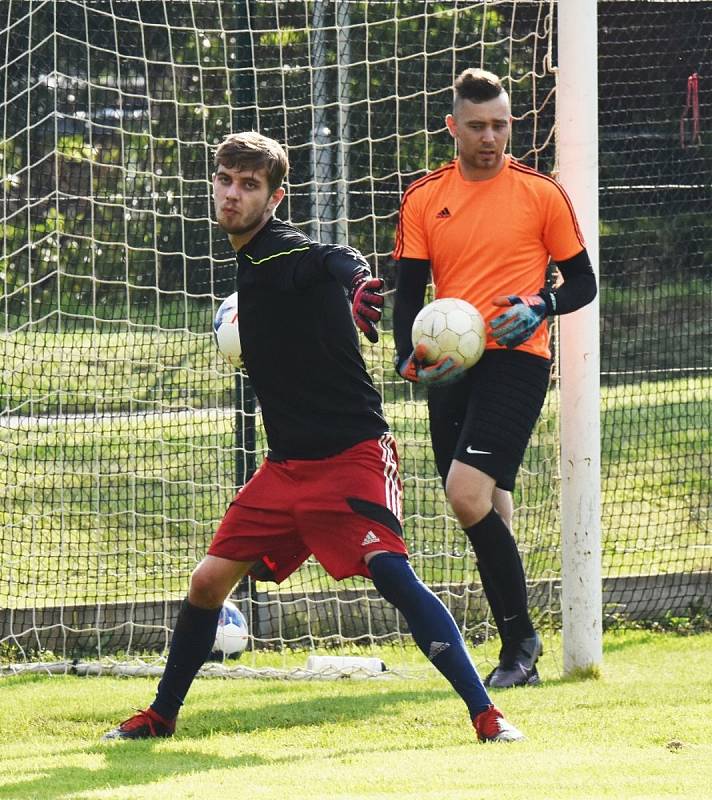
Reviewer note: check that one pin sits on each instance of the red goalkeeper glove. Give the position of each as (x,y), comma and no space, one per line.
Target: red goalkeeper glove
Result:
(366,304)
(444,370)
(518,323)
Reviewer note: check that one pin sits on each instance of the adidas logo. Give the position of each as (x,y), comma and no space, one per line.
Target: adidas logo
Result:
(436,648)
(445,212)
(369,538)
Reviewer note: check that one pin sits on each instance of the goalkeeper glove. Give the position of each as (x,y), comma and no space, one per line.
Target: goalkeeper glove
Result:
(444,370)
(518,323)
(366,304)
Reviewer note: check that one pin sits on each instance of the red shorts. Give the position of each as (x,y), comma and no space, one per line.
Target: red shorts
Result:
(337,508)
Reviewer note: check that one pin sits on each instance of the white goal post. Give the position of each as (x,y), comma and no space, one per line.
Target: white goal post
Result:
(577,137)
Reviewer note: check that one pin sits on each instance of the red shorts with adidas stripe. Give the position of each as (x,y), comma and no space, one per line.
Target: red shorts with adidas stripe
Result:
(338,509)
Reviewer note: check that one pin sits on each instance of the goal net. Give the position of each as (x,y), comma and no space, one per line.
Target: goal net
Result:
(124,433)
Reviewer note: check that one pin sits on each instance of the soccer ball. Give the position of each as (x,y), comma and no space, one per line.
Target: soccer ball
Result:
(232,634)
(450,327)
(227,332)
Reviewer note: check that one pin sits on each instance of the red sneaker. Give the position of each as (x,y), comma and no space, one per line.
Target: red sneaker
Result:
(144,725)
(491,726)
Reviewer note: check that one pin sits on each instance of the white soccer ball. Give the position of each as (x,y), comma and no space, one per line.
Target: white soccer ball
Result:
(227,332)
(232,634)
(450,327)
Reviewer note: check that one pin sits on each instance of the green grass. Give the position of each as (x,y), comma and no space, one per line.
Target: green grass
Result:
(640,731)
(93,372)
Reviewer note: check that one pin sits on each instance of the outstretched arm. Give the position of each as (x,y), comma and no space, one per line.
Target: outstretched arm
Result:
(353,272)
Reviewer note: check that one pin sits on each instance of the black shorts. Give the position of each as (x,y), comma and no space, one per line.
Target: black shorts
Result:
(487,418)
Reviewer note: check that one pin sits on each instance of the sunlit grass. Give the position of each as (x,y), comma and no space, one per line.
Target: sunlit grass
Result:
(641,730)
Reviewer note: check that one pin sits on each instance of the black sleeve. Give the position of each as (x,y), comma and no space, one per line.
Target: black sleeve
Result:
(345,264)
(326,262)
(578,288)
(412,276)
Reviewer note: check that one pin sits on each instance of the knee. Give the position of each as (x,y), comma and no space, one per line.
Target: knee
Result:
(470,501)
(205,591)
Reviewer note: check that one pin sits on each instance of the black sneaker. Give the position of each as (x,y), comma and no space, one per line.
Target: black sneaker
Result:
(144,725)
(517,664)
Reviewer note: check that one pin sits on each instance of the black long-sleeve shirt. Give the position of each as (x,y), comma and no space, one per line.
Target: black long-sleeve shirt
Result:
(300,346)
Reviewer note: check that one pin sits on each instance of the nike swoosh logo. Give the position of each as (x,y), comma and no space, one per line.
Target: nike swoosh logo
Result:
(473,452)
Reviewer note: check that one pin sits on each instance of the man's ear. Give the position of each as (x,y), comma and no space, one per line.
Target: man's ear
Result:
(451,125)
(277,197)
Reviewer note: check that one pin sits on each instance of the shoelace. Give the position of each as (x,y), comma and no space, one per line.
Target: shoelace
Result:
(137,721)
(491,724)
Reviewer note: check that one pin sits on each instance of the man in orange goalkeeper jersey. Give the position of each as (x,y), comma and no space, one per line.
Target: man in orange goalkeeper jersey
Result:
(486,227)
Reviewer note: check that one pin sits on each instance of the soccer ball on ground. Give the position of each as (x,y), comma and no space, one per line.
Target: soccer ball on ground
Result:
(227,332)
(450,327)
(232,634)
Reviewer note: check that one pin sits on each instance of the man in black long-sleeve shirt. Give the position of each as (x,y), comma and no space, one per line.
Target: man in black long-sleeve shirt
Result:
(329,485)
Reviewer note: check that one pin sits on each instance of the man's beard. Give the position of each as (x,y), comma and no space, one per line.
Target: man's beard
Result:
(245,227)
(239,230)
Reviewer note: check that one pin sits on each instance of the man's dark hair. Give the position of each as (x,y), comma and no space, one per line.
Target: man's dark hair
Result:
(252,151)
(477,85)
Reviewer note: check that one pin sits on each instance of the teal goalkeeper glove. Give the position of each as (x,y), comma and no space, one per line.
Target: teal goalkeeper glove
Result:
(518,323)
(414,369)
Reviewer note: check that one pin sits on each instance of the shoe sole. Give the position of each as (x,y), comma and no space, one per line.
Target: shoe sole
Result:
(114,736)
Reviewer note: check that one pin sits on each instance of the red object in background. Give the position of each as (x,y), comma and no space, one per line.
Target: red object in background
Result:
(691,106)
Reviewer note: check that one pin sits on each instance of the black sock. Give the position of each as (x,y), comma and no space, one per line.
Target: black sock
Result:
(431,625)
(494,600)
(497,552)
(193,639)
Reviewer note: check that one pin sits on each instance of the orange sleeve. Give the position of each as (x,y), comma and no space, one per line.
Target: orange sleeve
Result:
(562,236)
(411,238)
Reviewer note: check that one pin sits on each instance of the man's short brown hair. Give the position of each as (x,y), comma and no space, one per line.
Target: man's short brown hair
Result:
(477,85)
(252,151)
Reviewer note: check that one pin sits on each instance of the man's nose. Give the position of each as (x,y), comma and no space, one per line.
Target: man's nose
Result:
(232,190)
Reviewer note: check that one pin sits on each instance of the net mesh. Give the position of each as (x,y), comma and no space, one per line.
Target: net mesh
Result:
(125,434)
(656,247)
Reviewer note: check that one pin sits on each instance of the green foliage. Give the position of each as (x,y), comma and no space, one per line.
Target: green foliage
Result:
(124,168)
(697,621)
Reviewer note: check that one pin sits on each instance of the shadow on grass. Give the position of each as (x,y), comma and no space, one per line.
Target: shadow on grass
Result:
(136,763)
(126,764)
(316,711)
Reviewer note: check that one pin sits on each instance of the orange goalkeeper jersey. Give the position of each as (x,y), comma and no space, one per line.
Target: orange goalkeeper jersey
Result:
(489,238)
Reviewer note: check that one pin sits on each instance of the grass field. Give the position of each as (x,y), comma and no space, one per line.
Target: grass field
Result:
(642,731)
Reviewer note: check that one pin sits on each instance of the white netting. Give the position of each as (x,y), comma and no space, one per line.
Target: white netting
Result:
(121,442)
